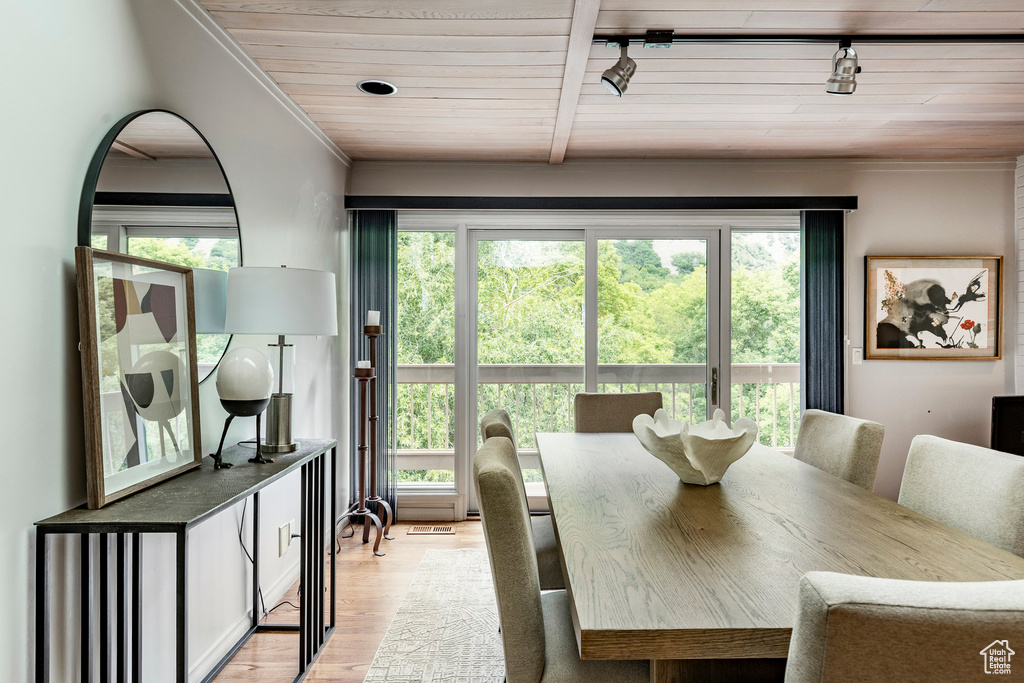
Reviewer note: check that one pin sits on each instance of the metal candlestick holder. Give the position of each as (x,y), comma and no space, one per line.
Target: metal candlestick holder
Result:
(363,375)
(383,507)
(373,331)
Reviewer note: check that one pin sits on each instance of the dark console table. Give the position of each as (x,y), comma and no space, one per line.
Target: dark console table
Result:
(174,507)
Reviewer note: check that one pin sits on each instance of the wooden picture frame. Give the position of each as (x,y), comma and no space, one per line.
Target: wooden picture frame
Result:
(137,321)
(933,307)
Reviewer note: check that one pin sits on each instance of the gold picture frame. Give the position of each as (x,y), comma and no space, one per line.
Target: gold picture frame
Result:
(139,372)
(933,307)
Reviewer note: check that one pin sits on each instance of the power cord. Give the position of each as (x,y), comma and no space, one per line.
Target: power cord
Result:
(241,524)
(263,604)
(282,604)
(259,589)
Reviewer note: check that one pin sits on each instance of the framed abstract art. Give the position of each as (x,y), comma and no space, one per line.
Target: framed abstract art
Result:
(139,375)
(933,307)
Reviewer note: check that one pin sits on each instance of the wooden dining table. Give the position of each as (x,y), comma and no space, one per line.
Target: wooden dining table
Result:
(702,580)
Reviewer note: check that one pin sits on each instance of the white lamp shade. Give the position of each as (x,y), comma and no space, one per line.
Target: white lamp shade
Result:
(281,301)
(211,288)
(244,374)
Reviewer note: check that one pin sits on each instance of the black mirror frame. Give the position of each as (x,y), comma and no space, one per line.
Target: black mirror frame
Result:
(92,176)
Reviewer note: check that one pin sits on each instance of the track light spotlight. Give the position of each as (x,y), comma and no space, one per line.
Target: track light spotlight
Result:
(843,80)
(616,79)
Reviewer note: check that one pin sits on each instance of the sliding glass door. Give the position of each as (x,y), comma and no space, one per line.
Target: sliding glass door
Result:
(526,299)
(658,318)
(765,332)
(505,312)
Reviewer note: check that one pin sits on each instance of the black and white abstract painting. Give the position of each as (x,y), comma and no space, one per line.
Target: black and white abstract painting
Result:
(933,307)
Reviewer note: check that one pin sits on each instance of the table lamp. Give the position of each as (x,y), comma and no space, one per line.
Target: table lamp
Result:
(281,301)
(211,293)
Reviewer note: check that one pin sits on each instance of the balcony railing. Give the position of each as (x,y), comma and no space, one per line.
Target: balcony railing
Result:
(539,398)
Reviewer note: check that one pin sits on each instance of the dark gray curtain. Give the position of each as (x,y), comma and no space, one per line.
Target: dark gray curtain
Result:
(822,369)
(374,269)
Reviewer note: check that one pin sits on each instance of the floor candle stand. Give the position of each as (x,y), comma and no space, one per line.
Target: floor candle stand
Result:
(383,508)
(363,375)
(373,331)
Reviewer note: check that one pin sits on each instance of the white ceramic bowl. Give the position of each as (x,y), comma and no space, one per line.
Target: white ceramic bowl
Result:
(699,454)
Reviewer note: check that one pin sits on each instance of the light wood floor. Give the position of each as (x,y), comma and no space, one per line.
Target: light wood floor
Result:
(369,592)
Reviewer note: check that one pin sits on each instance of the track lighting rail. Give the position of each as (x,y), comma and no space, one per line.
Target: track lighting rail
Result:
(801,38)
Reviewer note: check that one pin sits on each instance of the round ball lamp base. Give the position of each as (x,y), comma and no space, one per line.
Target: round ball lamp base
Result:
(244,382)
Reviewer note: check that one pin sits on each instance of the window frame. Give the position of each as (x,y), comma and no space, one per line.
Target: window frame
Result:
(714,226)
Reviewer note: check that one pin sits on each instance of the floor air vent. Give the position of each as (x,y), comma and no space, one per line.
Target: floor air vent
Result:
(431,530)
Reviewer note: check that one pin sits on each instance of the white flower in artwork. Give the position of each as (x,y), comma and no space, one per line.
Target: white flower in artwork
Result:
(698,454)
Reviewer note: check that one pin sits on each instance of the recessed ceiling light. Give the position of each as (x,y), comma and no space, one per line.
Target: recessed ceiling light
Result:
(373,86)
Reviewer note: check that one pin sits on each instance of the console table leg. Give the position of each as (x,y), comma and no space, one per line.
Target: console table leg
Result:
(334,553)
(104,609)
(181,615)
(318,550)
(121,668)
(255,558)
(305,651)
(85,675)
(42,609)
(136,622)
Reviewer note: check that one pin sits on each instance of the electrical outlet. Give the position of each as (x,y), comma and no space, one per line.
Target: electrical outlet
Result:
(292,531)
(284,538)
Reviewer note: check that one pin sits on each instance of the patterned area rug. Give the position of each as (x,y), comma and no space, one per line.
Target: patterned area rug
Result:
(446,628)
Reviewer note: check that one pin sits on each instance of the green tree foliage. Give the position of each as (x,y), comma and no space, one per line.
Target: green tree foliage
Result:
(766,316)
(194,252)
(223,255)
(641,264)
(688,261)
(627,329)
(530,303)
(680,309)
(750,255)
(530,312)
(426,298)
(166,250)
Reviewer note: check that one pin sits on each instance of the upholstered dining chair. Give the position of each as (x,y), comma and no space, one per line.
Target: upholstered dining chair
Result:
(536,628)
(841,445)
(975,489)
(858,629)
(497,423)
(613,412)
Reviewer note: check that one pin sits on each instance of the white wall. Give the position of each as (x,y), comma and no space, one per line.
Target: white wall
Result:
(75,69)
(905,208)
(1018,268)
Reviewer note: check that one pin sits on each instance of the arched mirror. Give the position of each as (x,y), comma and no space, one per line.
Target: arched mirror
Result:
(156,189)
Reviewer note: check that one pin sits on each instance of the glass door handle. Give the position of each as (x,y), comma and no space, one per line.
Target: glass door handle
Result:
(714,386)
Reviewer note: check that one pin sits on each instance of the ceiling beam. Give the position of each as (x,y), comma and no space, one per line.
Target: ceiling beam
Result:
(131,151)
(581,36)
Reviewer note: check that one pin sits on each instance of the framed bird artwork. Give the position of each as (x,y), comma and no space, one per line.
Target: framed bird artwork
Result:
(933,307)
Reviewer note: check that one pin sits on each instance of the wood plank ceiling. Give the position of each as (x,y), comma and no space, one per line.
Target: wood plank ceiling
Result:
(158,135)
(518,80)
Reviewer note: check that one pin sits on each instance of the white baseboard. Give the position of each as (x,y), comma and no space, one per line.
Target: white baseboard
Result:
(431,507)
(428,513)
(272,595)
